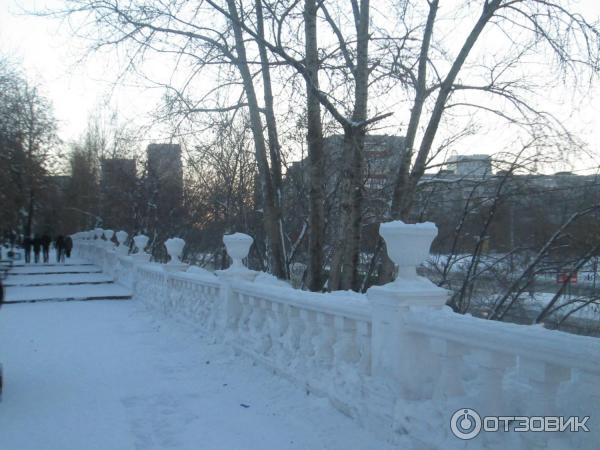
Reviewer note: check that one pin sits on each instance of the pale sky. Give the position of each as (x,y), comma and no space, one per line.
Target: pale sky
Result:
(51,57)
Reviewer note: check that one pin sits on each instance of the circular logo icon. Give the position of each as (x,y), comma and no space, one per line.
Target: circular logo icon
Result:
(465,424)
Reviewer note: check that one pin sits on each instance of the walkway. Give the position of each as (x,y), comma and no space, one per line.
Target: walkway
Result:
(109,375)
(75,280)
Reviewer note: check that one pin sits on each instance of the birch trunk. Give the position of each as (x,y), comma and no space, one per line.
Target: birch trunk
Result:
(271,214)
(314,138)
(345,262)
(274,146)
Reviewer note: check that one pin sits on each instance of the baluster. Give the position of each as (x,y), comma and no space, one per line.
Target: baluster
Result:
(583,400)
(305,360)
(324,340)
(293,336)
(193,302)
(196,301)
(204,307)
(307,349)
(344,348)
(190,304)
(243,326)
(543,380)
(199,303)
(263,337)
(167,295)
(450,382)
(278,326)
(173,296)
(211,310)
(493,366)
(254,322)
(363,338)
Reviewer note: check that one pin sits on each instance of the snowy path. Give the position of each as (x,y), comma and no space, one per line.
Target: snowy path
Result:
(66,292)
(40,269)
(59,282)
(107,375)
(49,279)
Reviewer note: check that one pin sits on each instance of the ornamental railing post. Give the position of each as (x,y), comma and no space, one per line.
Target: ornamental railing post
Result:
(238,246)
(399,357)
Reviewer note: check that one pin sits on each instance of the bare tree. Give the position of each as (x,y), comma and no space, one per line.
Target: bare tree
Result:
(27,138)
(540,25)
(314,139)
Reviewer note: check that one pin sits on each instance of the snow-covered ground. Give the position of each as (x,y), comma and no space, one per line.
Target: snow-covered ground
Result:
(41,269)
(54,278)
(62,292)
(541,299)
(109,375)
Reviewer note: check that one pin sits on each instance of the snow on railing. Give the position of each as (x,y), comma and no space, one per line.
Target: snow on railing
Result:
(397,359)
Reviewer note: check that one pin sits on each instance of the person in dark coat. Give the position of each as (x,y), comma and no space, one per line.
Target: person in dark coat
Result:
(46,241)
(68,246)
(60,249)
(27,247)
(37,247)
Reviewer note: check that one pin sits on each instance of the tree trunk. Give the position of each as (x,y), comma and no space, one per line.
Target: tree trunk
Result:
(270,210)
(314,138)
(352,247)
(344,267)
(274,146)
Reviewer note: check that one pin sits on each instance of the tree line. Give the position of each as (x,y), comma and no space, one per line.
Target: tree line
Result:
(27,138)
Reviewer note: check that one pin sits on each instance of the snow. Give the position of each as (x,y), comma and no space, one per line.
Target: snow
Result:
(412,226)
(21,293)
(64,278)
(42,268)
(199,271)
(110,375)
(541,300)
(267,279)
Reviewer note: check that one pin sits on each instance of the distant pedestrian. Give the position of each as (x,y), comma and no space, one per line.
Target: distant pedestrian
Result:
(37,247)
(46,241)
(59,244)
(68,246)
(27,247)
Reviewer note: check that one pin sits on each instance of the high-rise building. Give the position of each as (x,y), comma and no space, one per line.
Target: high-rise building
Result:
(166,170)
(165,185)
(118,184)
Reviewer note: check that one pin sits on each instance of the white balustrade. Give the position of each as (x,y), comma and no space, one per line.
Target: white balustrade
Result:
(394,358)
